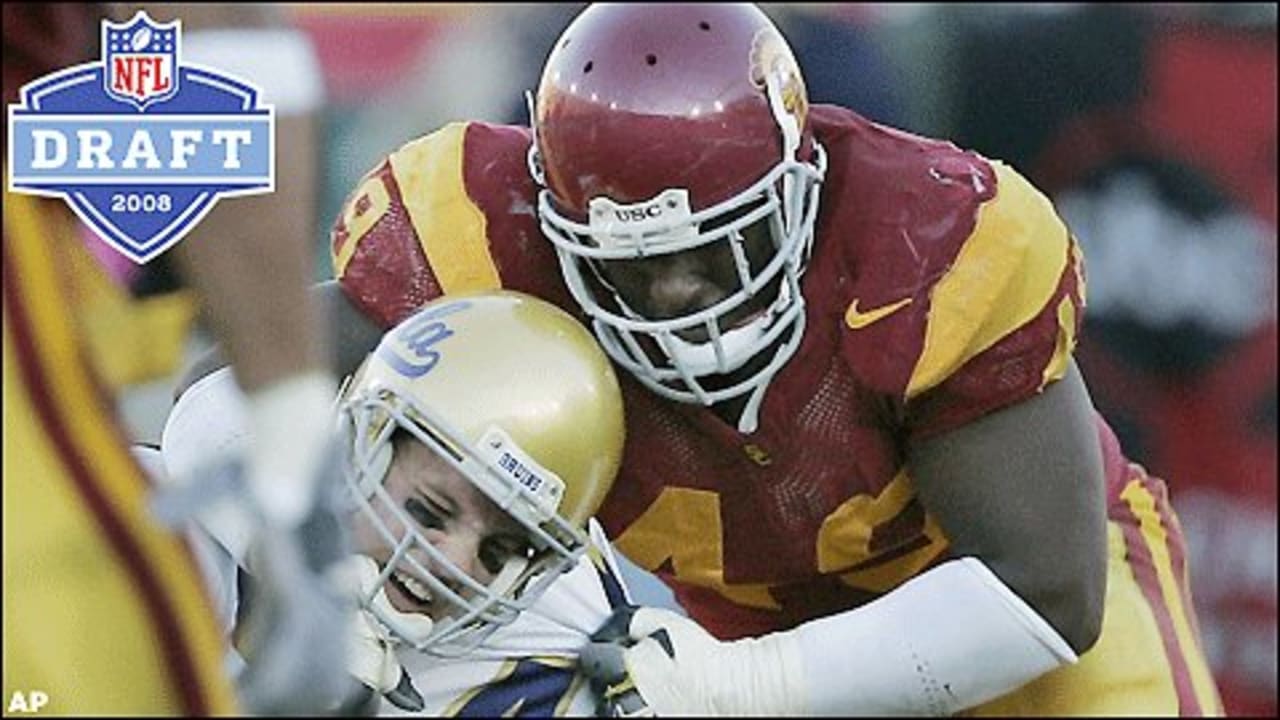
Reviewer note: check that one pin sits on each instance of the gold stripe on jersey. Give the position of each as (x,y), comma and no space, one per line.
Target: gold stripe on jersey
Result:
(451,228)
(683,525)
(1143,505)
(363,210)
(1064,345)
(74,400)
(1067,323)
(503,672)
(845,539)
(1077,263)
(566,700)
(1004,274)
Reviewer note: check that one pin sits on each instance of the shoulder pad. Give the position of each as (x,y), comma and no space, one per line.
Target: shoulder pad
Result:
(449,212)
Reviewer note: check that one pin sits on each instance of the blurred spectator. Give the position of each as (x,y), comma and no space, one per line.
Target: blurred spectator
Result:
(1154,128)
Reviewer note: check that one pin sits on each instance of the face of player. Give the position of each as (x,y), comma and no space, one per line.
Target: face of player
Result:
(451,514)
(678,284)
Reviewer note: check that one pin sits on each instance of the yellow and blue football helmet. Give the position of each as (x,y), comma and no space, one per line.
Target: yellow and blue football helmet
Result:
(515,394)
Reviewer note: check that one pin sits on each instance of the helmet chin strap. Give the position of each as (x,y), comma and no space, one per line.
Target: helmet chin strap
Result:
(749,420)
(786,120)
(790,127)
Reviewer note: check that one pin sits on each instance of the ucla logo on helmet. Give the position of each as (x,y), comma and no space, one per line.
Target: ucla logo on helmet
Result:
(411,349)
(140,145)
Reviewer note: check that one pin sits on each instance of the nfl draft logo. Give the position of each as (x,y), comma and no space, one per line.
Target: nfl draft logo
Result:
(139,144)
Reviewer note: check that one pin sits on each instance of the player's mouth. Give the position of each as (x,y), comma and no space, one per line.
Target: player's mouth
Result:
(409,594)
(740,318)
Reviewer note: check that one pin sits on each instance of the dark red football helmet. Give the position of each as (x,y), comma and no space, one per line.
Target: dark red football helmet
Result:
(663,128)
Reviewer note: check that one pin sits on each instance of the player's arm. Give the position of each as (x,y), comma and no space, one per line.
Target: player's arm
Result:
(251,278)
(249,262)
(1020,494)
(1002,448)
(1022,490)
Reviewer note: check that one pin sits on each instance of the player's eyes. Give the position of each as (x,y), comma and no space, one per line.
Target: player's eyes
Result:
(424,514)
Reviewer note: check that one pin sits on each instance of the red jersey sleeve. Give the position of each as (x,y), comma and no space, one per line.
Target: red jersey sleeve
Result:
(450,212)
(1002,321)
(960,288)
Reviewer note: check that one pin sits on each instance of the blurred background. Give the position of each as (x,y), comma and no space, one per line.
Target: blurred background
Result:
(1153,128)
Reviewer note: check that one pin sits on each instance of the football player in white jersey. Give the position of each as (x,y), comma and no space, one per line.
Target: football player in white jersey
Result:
(483,432)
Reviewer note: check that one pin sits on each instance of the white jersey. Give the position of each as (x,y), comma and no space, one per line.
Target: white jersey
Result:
(527,668)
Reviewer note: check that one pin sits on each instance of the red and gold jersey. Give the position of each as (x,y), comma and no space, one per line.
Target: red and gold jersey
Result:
(942,286)
(449,212)
(943,290)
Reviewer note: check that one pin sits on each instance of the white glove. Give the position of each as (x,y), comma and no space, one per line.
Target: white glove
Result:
(371,653)
(678,668)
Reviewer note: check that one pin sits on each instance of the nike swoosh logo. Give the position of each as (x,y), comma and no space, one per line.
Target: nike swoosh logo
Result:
(858,320)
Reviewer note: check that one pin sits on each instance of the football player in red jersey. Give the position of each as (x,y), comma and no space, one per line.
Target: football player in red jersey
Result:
(858,448)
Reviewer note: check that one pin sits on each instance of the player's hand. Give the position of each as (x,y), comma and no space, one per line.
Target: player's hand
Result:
(603,662)
(293,664)
(294,483)
(263,475)
(677,668)
(371,656)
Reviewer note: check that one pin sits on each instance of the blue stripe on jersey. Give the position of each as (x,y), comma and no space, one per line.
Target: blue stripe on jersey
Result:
(535,687)
(612,587)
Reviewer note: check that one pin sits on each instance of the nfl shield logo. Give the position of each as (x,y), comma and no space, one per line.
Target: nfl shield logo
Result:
(138,144)
(141,56)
